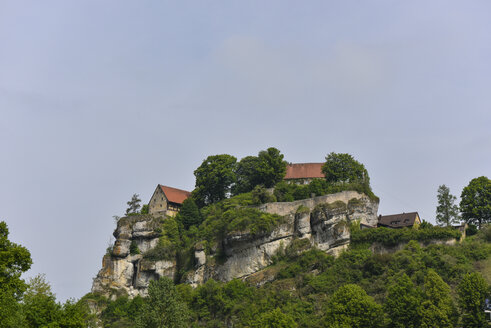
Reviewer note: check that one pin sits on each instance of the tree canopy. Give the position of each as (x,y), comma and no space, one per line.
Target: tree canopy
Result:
(163,308)
(475,203)
(266,169)
(189,213)
(473,291)
(344,168)
(14,260)
(350,306)
(214,178)
(447,212)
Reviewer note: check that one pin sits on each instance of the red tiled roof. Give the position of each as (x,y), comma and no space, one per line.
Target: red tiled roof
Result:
(398,220)
(175,195)
(304,171)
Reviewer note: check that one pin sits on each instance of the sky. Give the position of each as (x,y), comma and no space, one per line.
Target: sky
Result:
(103,99)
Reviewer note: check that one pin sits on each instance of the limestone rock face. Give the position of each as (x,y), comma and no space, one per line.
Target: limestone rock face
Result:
(123,272)
(322,221)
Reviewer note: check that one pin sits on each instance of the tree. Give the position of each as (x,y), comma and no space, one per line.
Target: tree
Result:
(472,291)
(190,214)
(402,303)
(266,169)
(275,319)
(163,307)
(475,201)
(272,167)
(14,259)
(447,212)
(350,306)
(344,168)
(247,175)
(437,309)
(133,205)
(39,303)
(214,178)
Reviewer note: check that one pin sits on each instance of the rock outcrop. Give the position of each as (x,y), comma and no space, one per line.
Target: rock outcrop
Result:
(323,221)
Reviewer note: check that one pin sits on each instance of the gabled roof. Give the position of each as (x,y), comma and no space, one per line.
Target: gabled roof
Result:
(304,171)
(175,195)
(398,220)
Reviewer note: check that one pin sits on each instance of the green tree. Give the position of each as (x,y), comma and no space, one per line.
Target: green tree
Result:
(475,201)
(133,205)
(402,303)
(247,175)
(272,167)
(344,168)
(214,178)
(190,214)
(14,260)
(275,319)
(144,209)
(447,212)
(437,309)
(472,291)
(76,315)
(267,169)
(39,304)
(350,306)
(163,307)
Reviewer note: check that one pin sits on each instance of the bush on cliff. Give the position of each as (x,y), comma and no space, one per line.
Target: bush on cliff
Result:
(288,192)
(392,237)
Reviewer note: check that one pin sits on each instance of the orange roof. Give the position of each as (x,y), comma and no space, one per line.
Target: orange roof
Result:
(304,171)
(175,195)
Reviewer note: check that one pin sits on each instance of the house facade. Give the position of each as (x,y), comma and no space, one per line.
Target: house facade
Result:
(397,221)
(167,200)
(303,173)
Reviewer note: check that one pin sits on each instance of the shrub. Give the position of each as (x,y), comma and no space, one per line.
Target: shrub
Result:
(134,248)
(393,237)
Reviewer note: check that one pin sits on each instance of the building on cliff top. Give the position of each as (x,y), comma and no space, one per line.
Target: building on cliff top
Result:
(167,200)
(402,220)
(303,173)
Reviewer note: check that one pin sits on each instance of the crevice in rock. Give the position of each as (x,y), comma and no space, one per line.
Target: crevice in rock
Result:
(136,266)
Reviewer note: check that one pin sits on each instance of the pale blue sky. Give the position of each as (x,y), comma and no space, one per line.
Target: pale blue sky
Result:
(103,99)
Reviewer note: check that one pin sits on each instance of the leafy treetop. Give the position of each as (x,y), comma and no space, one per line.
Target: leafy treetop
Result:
(475,203)
(266,169)
(214,178)
(344,168)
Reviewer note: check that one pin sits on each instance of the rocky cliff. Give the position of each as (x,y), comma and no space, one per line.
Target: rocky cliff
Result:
(322,221)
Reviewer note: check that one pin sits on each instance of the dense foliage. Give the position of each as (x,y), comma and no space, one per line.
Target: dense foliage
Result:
(190,214)
(288,192)
(344,168)
(214,178)
(31,304)
(392,237)
(475,203)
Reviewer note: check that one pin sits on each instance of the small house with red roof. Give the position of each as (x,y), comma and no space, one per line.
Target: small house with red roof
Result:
(397,221)
(167,200)
(303,173)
